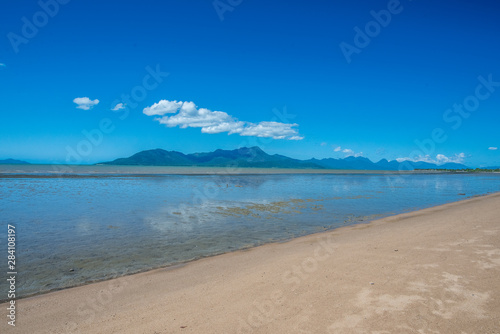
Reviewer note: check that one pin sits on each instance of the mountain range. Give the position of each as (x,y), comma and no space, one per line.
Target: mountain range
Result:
(13,162)
(256,157)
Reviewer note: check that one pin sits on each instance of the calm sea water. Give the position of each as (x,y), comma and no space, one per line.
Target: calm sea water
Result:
(95,225)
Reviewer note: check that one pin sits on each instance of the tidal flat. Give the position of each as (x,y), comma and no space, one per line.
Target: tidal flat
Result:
(96,226)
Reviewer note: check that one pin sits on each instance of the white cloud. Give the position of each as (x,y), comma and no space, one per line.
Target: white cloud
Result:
(457,158)
(323,144)
(420,158)
(163,107)
(119,106)
(406,159)
(438,160)
(190,116)
(350,153)
(230,127)
(274,130)
(492,148)
(85,103)
(187,114)
(347,151)
(3,65)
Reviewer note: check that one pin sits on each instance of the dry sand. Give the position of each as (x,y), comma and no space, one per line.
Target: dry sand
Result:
(430,271)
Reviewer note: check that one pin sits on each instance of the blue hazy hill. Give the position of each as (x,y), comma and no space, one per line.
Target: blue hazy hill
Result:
(256,157)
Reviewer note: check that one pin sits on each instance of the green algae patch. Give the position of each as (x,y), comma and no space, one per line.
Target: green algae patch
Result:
(268,210)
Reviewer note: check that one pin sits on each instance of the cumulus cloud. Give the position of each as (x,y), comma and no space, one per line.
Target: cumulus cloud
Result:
(229,127)
(119,106)
(492,148)
(187,114)
(420,158)
(457,158)
(351,153)
(85,103)
(163,107)
(438,160)
(274,130)
(347,152)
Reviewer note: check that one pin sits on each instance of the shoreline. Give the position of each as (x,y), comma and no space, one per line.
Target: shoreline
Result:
(122,289)
(184,263)
(138,170)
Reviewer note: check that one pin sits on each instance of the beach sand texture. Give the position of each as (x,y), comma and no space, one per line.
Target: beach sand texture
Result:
(431,271)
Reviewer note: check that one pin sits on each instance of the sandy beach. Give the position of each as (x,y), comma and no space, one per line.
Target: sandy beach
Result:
(431,271)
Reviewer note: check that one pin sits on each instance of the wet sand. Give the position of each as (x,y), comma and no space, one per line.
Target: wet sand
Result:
(431,271)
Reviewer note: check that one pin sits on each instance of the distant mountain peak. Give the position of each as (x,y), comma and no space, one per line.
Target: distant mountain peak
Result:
(255,157)
(13,162)
(250,149)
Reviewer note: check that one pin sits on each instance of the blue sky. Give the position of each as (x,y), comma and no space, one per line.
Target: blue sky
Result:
(293,77)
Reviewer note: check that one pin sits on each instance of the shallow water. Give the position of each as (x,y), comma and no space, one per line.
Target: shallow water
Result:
(73,230)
